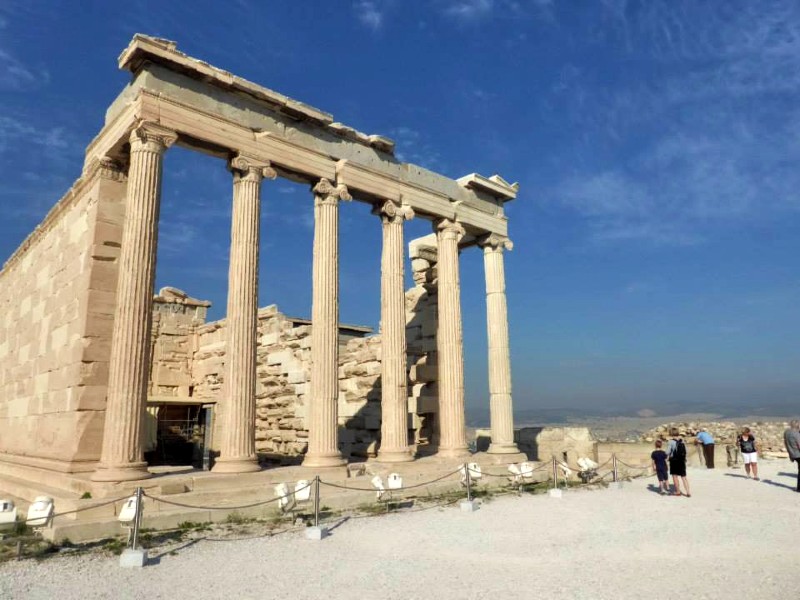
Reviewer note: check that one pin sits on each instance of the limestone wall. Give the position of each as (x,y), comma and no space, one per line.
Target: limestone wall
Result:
(284,366)
(421,323)
(57,294)
(176,316)
(189,365)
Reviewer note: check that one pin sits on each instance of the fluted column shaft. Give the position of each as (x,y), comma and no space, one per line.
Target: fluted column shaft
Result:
(394,392)
(122,457)
(238,445)
(323,447)
(449,343)
(500,404)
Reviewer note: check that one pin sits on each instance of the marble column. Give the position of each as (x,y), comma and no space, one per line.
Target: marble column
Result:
(238,442)
(323,448)
(449,343)
(122,455)
(500,406)
(394,392)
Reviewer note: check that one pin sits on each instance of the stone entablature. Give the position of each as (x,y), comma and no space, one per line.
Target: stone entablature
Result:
(214,112)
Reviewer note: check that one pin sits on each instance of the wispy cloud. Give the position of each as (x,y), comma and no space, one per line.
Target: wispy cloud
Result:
(712,142)
(369,13)
(468,10)
(413,147)
(15,76)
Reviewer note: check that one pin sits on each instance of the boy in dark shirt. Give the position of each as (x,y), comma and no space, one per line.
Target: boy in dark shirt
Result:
(660,467)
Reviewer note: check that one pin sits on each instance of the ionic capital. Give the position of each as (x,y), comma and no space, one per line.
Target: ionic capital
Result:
(493,242)
(247,168)
(151,137)
(393,212)
(449,229)
(326,193)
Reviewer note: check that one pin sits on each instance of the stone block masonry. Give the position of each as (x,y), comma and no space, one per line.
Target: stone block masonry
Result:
(189,359)
(58,297)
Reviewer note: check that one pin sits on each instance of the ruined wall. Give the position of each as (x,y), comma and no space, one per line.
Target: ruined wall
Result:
(421,323)
(189,361)
(176,316)
(284,366)
(57,294)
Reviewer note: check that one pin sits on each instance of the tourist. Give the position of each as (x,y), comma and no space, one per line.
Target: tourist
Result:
(791,438)
(677,462)
(749,450)
(659,458)
(706,443)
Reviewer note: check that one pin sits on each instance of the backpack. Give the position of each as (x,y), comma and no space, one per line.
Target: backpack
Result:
(680,450)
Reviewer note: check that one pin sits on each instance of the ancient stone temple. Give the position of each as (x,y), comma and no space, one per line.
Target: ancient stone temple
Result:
(94,368)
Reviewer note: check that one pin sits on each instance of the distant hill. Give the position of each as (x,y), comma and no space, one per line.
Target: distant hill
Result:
(479,417)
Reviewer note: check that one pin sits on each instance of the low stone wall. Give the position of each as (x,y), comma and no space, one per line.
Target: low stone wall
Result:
(769,435)
(564,443)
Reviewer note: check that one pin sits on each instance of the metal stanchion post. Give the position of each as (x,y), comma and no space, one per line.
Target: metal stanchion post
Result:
(555,492)
(137,519)
(316,501)
(133,556)
(317,532)
(468,505)
(616,484)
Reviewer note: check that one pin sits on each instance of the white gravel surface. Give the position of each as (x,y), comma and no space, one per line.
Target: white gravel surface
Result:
(733,536)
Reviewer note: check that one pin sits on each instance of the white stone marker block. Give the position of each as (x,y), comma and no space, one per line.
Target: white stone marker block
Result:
(469,505)
(133,558)
(316,533)
(554,493)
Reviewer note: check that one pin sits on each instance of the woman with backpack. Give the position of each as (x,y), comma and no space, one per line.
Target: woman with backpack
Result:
(749,450)
(677,462)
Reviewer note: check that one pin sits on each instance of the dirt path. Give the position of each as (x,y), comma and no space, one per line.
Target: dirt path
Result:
(732,535)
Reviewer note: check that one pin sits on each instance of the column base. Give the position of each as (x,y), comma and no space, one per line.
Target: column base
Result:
(454,452)
(324,460)
(502,448)
(394,456)
(504,459)
(236,465)
(117,473)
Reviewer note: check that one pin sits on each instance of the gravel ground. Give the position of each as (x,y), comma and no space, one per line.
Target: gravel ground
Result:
(732,536)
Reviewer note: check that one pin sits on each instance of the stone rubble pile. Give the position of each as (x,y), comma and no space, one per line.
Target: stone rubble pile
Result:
(768,434)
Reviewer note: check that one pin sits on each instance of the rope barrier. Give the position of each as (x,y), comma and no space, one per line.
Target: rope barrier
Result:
(240,507)
(399,489)
(509,474)
(631,466)
(77,510)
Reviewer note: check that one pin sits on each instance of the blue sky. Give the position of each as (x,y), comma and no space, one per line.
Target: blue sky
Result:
(657,146)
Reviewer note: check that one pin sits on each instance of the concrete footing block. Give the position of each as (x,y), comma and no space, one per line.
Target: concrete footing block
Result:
(133,558)
(555,493)
(468,505)
(615,485)
(316,533)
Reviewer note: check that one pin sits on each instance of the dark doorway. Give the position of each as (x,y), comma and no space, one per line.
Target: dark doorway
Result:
(180,434)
